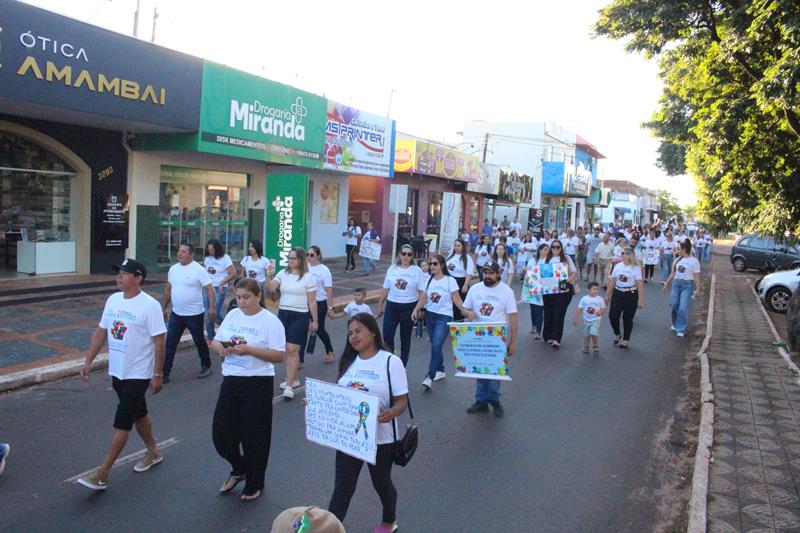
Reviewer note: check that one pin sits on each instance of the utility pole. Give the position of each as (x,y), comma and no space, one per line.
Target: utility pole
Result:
(485,146)
(136,19)
(389,108)
(155,19)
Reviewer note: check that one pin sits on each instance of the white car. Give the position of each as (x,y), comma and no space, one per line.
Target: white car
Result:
(776,289)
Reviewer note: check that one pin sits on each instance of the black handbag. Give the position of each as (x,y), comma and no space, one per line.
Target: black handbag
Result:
(404,448)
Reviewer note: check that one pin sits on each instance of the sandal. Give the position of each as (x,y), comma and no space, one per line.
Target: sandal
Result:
(617,338)
(230,483)
(623,345)
(330,357)
(585,349)
(250,497)
(596,350)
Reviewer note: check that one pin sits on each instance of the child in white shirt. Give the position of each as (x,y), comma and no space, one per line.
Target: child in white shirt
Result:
(592,306)
(358,305)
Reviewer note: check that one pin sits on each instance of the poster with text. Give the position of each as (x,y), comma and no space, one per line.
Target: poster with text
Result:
(358,142)
(546,278)
(286,206)
(328,202)
(451,218)
(370,250)
(342,418)
(480,349)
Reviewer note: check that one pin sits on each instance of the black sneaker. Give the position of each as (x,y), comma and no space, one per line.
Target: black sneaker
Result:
(204,372)
(498,408)
(477,407)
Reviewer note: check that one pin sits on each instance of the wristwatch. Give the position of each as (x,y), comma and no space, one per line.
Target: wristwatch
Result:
(158,375)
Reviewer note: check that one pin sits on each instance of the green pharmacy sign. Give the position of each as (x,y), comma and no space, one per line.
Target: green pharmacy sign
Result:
(243,115)
(287,207)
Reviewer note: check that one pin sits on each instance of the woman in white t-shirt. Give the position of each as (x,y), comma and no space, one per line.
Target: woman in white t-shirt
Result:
(366,366)
(324,278)
(249,341)
(442,297)
(506,262)
(685,280)
(668,247)
(403,287)
(483,253)
(555,304)
(297,311)
(351,235)
(526,250)
(535,299)
(255,265)
(625,294)
(462,268)
(220,269)
(652,251)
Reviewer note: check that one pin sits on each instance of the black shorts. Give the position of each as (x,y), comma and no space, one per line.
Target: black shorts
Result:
(296,326)
(132,405)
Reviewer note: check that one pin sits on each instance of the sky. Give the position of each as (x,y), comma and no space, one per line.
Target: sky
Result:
(432,65)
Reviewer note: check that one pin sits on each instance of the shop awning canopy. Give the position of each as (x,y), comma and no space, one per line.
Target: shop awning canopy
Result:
(623,209)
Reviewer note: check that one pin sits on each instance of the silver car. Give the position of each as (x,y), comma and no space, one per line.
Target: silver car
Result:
(775,289)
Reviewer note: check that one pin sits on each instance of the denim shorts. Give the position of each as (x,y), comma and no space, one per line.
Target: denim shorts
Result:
(296,325)
(591,328)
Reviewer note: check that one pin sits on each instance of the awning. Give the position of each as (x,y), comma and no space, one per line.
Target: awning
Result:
(623,209)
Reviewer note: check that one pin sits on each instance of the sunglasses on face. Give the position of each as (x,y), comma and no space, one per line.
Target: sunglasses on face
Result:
(406,254)
(433,264)
(555,247)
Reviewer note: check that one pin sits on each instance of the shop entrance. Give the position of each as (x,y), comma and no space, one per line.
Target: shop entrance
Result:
(39,193)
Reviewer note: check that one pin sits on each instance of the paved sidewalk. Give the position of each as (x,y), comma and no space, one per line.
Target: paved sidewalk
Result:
(35,335)
(754,480)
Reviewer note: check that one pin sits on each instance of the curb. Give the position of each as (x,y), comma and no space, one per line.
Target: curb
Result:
(65,369)
(793,367)
(698,502)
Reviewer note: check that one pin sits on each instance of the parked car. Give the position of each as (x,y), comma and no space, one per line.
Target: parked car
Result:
(762,253)
(776,289)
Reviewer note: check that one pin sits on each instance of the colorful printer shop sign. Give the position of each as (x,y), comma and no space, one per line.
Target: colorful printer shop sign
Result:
(480,350)
(243,115)
(438,160)
(358,142)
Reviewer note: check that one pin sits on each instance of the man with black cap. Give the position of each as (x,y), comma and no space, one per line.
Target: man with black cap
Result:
(492,301)
(134,326)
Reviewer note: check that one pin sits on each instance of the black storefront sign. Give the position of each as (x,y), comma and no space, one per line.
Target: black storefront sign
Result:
(110,221)
(61,63)
(536,221)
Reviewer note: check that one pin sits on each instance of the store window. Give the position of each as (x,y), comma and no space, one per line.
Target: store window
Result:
(407,222)
(434,213)
(36,196)
(198,205)
(473,210)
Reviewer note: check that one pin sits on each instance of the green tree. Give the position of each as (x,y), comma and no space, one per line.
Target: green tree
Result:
(728,114)
(669,206)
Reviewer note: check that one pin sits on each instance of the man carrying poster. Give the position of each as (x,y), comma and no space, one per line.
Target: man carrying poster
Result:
(492,301)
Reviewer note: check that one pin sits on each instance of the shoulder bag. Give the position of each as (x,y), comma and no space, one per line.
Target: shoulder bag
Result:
(404,448)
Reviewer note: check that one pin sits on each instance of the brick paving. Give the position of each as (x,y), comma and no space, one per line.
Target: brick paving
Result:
(754,480)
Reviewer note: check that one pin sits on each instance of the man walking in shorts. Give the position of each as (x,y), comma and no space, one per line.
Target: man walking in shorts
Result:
(134,326)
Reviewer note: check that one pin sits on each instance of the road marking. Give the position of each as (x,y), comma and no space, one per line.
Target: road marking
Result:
(127,459)
(279,397)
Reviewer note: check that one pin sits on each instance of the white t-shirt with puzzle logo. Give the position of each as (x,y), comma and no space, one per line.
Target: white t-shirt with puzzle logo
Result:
(404,284)
(440,295)
(491,304)
(261,330)
(590,305)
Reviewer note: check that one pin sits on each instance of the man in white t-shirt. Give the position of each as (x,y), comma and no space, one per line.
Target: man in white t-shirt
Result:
(516,226)
(186,282)
(492,301)
(133,324)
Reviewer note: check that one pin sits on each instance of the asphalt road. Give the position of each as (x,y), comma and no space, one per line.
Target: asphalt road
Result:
(575,451)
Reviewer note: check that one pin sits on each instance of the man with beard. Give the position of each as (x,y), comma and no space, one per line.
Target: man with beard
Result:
(492,301)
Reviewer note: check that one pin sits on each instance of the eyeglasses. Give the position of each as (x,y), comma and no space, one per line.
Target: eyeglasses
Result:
(555,247)
(406,254)
(433,264)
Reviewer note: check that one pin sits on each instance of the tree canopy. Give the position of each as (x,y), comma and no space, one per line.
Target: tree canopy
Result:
(729,113)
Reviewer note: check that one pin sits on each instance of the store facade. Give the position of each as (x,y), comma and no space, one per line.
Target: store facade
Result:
(564,195)
(69,96)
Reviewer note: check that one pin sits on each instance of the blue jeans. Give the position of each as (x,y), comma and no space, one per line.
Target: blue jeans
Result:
(438,331)
(666,266)
(680,300)
(537,318)
(487,390)
(175,328)
(369,265)
(398,314)
(219,299)
(707,255)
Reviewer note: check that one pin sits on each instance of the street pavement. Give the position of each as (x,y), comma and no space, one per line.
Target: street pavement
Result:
(754,479)
(580,447)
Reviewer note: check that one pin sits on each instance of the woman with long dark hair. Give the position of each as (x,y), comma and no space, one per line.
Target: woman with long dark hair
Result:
(365,365)
(297,312)
(220,268)
(535,301)
(351,235)
(506,262)
(403,287)
(442,296)
(555,305)
(249,341)
(255,265)
(685,280)
(462,268)
(483,253)
(324,278)
(625,294)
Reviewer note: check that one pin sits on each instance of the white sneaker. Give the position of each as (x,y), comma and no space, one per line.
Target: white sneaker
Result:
(680,334)
(439,376)
(288,393)
(673,328)
(283,384)
(427,383)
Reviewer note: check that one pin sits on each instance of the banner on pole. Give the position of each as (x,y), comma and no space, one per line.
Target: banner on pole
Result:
(480,349)
(342,418)
(287,206)
(370,250)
